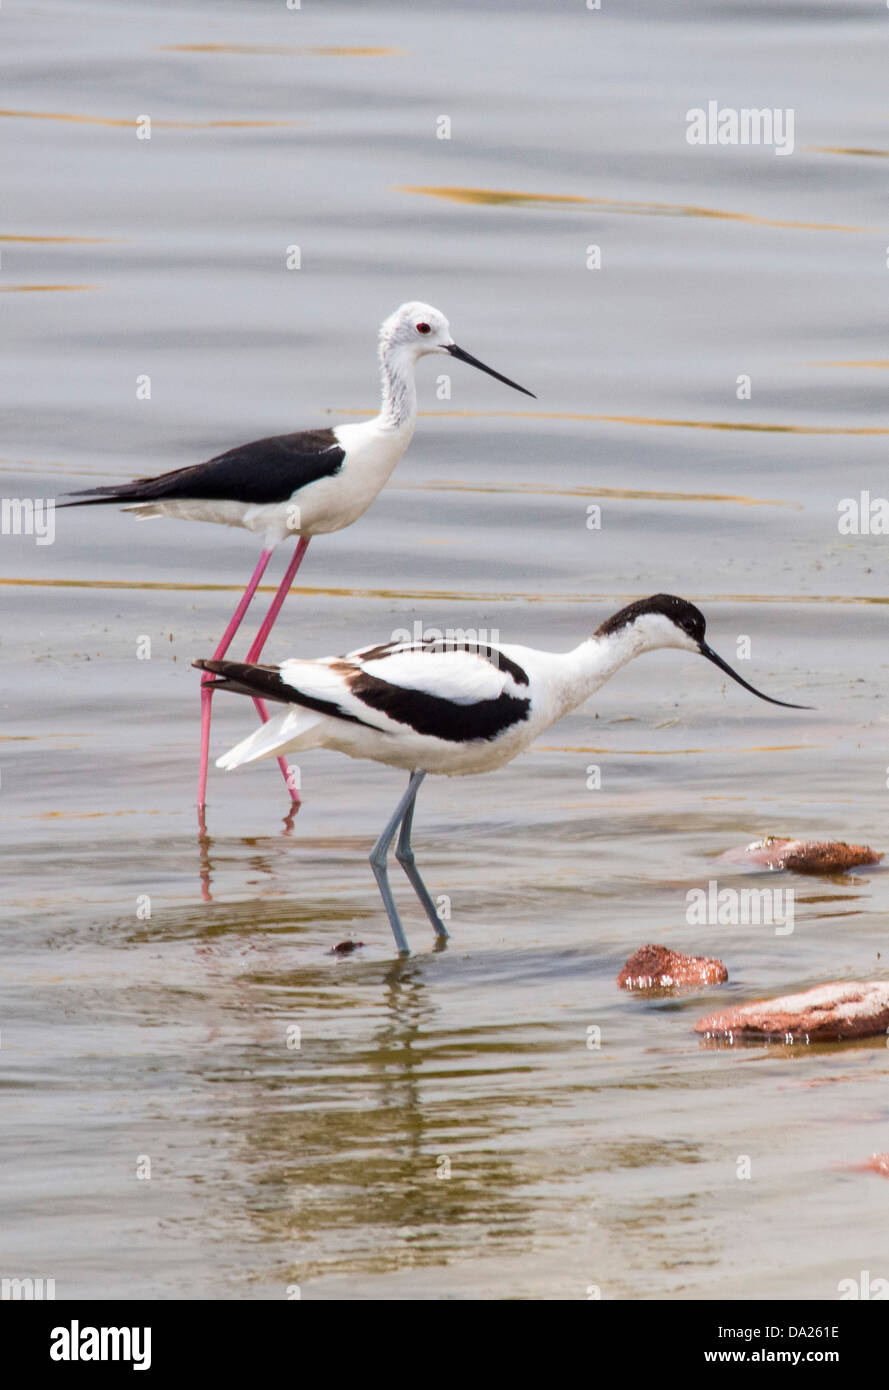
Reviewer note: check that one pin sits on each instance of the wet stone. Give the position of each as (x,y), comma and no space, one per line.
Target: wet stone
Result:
(877,1163)
(830,1012)
(657,967)
(803,856)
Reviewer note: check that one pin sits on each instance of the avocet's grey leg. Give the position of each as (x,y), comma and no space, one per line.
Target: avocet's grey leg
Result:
(405,856)
(378,862)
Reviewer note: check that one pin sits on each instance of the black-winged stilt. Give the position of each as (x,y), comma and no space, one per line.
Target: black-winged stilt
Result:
(452,709)
(302,484)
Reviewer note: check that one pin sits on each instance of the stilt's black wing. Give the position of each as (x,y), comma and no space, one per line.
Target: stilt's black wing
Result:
(268,470)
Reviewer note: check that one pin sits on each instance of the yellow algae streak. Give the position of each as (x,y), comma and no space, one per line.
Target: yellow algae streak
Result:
(622,493)
(23,289)
(754,427)
(676,752)
(88,240)
(840,149)
(457,595)
(275,50)
(130,121)
(506,198)
(881,364)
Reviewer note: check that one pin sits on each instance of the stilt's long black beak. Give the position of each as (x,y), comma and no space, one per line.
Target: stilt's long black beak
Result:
(474,362)
(711,655)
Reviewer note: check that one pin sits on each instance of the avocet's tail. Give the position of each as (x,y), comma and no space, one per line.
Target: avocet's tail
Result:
(281,733)
(278,736)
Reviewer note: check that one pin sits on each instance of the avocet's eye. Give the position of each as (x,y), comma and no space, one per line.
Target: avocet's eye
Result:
(423,328)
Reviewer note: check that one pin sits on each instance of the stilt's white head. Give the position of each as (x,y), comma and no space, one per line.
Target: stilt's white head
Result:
(666,621)
(416,329)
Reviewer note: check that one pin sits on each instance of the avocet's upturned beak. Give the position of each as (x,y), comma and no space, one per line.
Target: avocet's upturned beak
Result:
(711,655)
(474,362)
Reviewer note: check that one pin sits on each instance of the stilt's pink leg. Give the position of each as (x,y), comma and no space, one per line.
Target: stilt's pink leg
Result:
(282,762)
(275,608)
(261,638)
(206,678)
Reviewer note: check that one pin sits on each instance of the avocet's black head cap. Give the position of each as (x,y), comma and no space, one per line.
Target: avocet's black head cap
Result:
(679,611)
(685,627)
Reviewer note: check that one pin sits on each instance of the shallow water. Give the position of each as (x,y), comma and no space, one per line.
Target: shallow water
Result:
(125,1037)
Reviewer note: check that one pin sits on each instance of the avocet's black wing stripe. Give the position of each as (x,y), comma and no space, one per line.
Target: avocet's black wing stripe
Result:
(435,716)
(432,646)
(265,683)
(266,471)
(257,681)
(362,694)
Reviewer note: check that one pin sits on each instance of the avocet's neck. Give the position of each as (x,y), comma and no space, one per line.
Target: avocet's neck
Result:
(398,409)
(594,662)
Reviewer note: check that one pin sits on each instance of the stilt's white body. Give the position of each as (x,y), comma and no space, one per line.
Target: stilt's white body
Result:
(313,481)
(373,449)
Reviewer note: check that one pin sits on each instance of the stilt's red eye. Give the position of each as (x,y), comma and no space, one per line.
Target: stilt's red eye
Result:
(423,328)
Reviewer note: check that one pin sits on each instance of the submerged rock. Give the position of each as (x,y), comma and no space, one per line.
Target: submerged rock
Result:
(803,856)
(830,1012)
(657,967)
(877,1163)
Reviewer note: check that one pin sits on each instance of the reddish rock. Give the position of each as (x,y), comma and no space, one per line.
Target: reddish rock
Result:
(803,856)
(877,1163)
(345,948)
(841,1009)
(657,967)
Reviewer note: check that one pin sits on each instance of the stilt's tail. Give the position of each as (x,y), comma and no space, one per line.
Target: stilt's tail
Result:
(121,493)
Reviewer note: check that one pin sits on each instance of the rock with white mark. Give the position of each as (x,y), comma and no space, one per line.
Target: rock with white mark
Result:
(803,856)
(831,1012)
